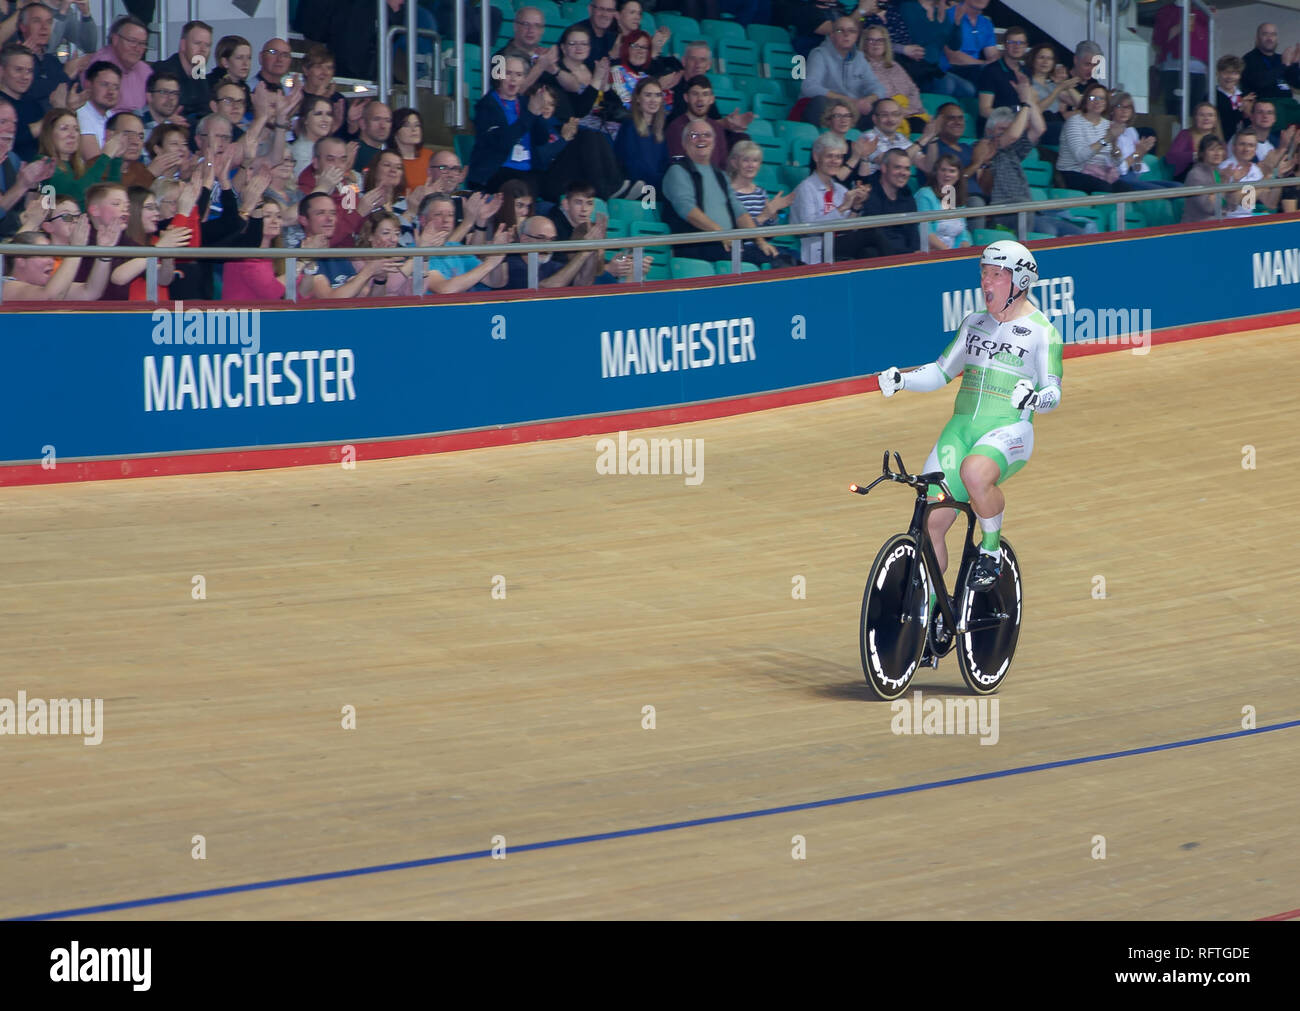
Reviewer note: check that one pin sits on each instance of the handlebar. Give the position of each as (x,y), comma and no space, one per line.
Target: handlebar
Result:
(921,482)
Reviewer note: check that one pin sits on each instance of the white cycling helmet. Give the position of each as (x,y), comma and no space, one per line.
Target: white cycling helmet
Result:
(1015,258)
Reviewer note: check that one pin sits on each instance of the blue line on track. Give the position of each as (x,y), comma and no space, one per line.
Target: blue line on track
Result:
(257,886)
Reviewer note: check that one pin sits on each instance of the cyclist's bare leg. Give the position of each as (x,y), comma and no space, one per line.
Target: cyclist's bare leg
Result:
(938,523)
(980,475)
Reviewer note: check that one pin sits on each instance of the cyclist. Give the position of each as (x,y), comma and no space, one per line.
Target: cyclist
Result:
(1009,358)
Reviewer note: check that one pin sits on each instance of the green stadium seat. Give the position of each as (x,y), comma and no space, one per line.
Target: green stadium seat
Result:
(764,34)
(684,267)
(600,207)
(776,150)
(1032,236)
(763,86)
(769,107)
(801,151)
(769,177)
(738,56)
(1162,212)
(1062,194)
(931,102)
(760,127)
(1038,193)
(1157,168)
(630,210)
(684,29)
(711,29)
(659,272)
(648,22)
(1103,214)
(792,128)
(550,11)
(464,144)
(660,253)
(724,267)
(778,59)
(617,228)
(983,236)
(793,175)
(728,100)
(1038,174)
(720,80)
(791,87)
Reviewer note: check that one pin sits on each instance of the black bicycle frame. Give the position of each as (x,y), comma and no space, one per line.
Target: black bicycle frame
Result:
(918,530)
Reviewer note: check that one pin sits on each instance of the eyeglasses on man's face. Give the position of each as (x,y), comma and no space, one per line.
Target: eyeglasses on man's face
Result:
(167,92)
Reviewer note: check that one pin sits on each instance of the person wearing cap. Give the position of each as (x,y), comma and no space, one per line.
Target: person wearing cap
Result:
(1009,358)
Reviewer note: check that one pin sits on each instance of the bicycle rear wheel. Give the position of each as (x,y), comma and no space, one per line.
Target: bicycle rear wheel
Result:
(984,653)
(891,646)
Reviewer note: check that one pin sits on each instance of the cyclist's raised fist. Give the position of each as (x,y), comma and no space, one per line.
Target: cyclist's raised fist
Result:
(891,381)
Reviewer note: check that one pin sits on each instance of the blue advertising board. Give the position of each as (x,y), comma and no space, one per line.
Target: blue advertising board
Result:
(118,384)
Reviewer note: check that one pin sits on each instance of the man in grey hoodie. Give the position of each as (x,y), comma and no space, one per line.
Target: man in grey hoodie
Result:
(838,72)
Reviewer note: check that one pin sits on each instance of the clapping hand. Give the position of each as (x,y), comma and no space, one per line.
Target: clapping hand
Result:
(570,129)
(80,231)
(175,235)
(167,163)
(287,105)
(855,197)
(777,204)
(1145,146)
(32,217)
(35,172)
(114,145)
(109,234)
(489,207)
(431,235)
(264,102)
(254,186)
(537,102)
(356,109)
(372,199)
(864,147)
(330,180)
(188,195)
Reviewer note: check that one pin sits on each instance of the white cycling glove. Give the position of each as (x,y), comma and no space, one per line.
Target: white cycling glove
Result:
(1024,396)
(891,381)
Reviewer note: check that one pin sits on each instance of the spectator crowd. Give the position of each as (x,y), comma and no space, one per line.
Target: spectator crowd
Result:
(874,107)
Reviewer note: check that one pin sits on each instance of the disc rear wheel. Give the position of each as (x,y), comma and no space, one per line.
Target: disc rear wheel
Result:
(992,620)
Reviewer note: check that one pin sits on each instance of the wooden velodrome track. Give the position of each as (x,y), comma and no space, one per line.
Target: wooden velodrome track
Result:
(522,717)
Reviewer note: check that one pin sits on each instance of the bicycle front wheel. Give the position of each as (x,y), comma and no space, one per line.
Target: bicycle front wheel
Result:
(894,617)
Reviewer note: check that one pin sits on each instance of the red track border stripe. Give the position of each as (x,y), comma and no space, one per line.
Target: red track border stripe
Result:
(299,456)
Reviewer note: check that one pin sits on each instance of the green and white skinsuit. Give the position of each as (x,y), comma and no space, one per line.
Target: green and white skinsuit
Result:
(991,358)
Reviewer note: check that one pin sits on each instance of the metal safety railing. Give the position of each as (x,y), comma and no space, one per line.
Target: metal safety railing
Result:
(532,251)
